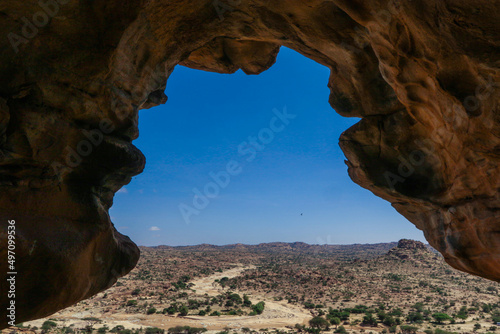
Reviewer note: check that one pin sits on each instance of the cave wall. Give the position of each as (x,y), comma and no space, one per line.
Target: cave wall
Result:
(423,76)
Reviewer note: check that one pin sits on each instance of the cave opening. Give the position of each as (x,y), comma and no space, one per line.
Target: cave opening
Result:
(250,159)
(397,65)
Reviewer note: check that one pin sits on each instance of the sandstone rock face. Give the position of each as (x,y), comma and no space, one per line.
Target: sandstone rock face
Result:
(423,75)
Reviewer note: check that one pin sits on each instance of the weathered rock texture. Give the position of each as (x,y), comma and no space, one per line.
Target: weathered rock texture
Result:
(423,75)
(410,244)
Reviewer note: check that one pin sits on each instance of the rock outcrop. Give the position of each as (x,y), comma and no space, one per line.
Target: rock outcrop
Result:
(410,244)
(406,249)
(423,76)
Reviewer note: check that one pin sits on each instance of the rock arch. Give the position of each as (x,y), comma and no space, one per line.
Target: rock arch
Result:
(423,76)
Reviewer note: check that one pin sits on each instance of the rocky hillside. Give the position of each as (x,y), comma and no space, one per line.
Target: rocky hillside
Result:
(214,287)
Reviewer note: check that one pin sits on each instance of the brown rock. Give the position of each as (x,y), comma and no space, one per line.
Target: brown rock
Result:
(408,249)
(410,244)
(424,76)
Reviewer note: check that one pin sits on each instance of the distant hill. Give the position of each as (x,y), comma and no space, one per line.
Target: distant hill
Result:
(341,251)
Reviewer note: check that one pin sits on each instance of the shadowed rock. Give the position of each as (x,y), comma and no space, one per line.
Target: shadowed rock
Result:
(424,76)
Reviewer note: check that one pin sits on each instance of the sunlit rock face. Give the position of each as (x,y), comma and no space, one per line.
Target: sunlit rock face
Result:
(423,76)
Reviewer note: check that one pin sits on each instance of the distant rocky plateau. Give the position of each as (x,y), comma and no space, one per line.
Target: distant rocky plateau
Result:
(422,75)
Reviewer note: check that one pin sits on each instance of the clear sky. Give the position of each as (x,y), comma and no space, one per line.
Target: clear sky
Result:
(262,155)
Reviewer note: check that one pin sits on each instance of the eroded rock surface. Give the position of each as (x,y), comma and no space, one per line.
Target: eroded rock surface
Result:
(410,244)
(423,75)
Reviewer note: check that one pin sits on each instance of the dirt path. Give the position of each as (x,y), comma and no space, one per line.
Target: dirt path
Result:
(276,314)
(207,284)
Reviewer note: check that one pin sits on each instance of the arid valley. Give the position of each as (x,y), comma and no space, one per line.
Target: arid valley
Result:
(400,287)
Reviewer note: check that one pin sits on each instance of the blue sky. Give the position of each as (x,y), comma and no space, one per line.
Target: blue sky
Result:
(287,182)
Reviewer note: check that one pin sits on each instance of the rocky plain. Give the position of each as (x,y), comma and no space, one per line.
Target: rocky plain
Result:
(403,287)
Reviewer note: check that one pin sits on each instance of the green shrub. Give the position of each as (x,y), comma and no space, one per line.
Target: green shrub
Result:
(125,331)
(246,301)
(183,311)
(441,317)
(389,321)
(320,323)
(440,331)
(172,309)
(154,330)
(186,330)
(369,320)
(341,330)
(405,329)
(333,320)
(259,307)
(132,302)
(116,329)
(309,305)
(235,298)
(48,325)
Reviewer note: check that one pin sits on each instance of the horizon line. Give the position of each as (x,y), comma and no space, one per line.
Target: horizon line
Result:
(282,242)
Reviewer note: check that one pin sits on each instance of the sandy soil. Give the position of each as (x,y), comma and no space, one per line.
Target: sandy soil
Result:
(275,315)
